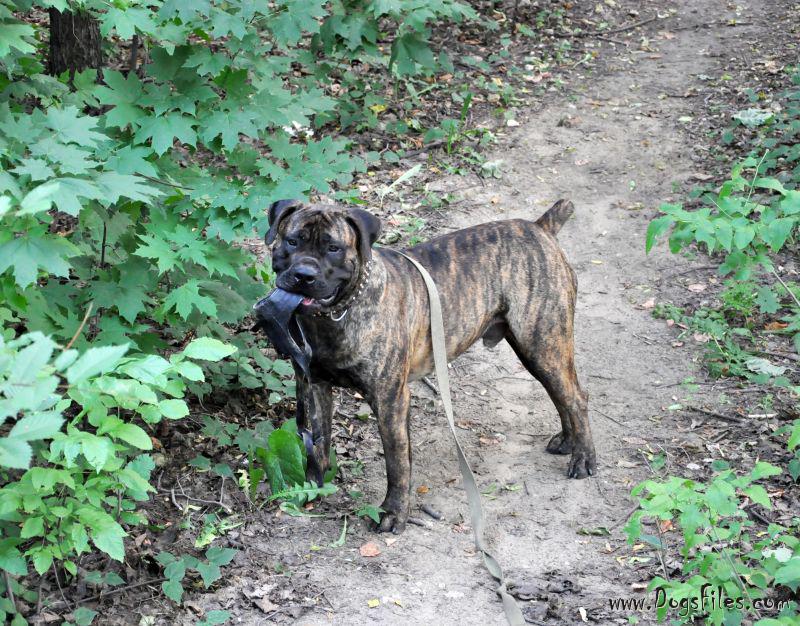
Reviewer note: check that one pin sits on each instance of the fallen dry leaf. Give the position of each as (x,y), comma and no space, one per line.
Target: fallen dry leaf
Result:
(369,549)
(666,525)
(390,540)
(702,337)
(775,326)
(374,603)
(422,489)
(696,287)
(649,304)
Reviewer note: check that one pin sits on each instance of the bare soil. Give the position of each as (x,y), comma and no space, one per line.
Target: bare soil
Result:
(612,142)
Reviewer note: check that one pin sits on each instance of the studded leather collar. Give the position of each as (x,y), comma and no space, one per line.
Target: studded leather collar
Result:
(338,313)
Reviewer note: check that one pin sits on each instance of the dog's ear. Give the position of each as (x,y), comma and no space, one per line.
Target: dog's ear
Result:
(368,228)
(277,212)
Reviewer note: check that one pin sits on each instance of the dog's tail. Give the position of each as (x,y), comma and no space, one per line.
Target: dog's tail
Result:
(556,215)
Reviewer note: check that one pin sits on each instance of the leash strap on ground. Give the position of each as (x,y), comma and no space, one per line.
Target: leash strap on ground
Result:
(512,610)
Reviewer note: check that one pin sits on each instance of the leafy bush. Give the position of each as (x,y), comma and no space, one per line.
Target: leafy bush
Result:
(720,545)
(64,489)
(750,218)
(126,194)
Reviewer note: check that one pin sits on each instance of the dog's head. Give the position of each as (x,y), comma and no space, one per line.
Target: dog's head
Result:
(319,250)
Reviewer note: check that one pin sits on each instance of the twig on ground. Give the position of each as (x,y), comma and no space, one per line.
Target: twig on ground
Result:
(189,498)
(722,416)
(418,522)
(430,385)
(111,592)
(432,512)
(608,417)
(701,268)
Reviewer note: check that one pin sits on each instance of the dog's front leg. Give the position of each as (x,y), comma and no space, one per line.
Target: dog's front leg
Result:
(317,397)
(390,403)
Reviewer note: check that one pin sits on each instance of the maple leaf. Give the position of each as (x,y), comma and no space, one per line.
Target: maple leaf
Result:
(161,131)
(187,297)
(70,126)
(65,193)
(25,255)
(37,169)
(158,249)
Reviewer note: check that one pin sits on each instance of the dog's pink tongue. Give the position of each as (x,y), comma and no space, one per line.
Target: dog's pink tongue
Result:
(308,301)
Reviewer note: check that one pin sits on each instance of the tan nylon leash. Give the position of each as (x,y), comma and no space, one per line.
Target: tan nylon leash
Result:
(512,610)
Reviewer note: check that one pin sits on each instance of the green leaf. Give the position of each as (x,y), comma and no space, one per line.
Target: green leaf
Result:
(220,556)
(173,589)
(190,371)
(187,297)
(95,361)
(210,572)
(754,117)
(789,574)
(42,561)
(215,618)
(162,131)
(173,409)
(408,50)
(33,527)
(286,448)
(778,231)
(37,426)
(759,495)
(37,169)
(65,193)
(208,349)
(107,536)
(71,126)
(134,435)
(16,36)
(84,616)
(27,254)
(767,300)
(657,227)
(15,453)
(762,469)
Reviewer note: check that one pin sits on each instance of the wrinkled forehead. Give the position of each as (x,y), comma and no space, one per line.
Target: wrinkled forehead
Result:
(322,223)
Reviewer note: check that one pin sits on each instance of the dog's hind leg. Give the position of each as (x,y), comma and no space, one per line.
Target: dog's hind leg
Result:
(547,352)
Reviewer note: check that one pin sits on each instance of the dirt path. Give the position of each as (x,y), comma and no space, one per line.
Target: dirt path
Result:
(613,148)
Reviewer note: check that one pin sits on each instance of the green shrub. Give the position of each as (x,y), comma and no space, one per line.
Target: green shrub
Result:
(74,462)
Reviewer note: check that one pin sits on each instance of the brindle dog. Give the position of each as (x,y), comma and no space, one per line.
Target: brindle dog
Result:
(367,319)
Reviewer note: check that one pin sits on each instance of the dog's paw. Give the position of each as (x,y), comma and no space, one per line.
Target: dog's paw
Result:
(582,463)
(393,519)
(559,444)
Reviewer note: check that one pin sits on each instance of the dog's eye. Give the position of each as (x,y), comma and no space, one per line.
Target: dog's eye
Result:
(291,242)
(333,248)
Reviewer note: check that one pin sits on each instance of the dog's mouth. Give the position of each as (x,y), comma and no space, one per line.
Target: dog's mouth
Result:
(320,302)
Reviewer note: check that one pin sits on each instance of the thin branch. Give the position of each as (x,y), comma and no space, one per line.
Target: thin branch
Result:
(786,287)
(726,418)
(165,182)
(111,592)
(10,592)
(80,328)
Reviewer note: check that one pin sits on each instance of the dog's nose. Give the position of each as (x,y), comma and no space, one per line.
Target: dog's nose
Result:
(305,274)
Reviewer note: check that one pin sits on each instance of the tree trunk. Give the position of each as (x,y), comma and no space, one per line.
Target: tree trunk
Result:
(75,43)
